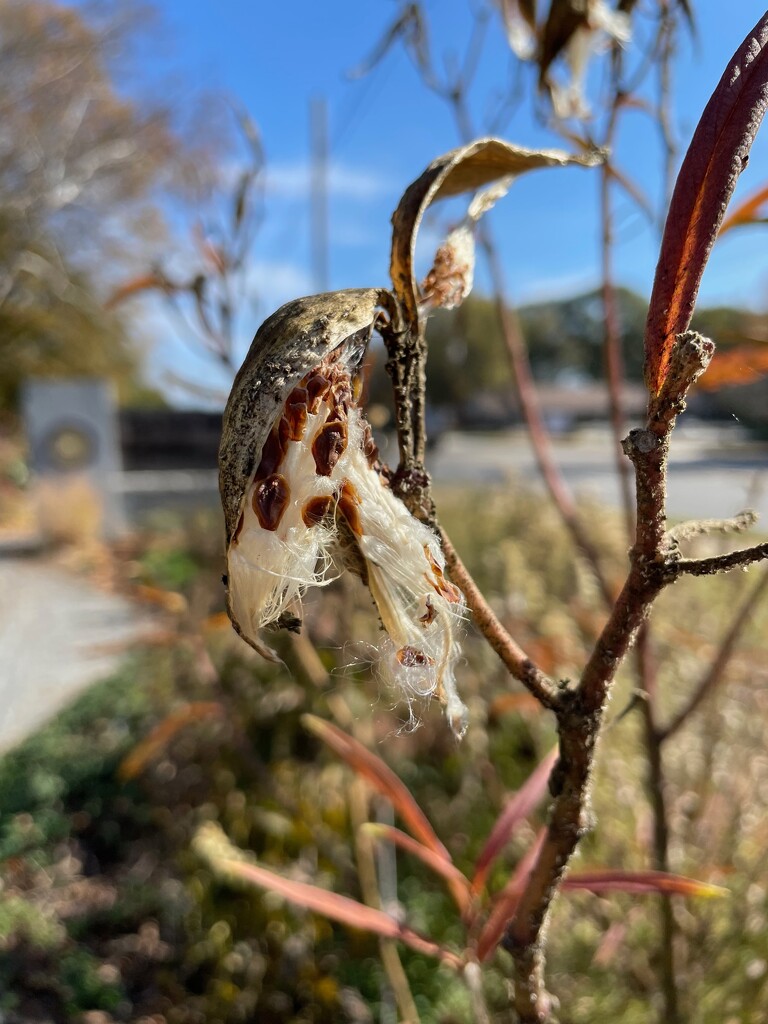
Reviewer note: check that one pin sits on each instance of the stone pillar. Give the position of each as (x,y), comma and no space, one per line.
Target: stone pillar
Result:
(73,436)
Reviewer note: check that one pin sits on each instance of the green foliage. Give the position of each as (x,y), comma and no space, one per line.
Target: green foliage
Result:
(25,921)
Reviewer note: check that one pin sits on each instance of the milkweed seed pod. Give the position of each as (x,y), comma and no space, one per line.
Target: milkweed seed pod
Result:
(305,496)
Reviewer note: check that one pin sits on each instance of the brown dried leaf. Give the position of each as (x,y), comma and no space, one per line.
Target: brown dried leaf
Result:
(517,809)
(565,18)
(381,777)
(519,17)
(225,859)
(457,883)
(716,157)
(462,170)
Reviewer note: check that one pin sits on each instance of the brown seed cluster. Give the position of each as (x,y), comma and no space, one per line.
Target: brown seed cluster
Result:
(331,384)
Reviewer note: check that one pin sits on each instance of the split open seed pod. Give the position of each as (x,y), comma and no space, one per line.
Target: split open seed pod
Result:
(268,407)
(306,497)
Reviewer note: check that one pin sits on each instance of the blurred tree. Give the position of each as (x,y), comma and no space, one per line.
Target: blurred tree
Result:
(467,357)
(455,376)
(82,170)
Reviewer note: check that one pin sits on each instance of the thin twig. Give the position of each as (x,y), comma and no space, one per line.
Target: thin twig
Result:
(537,431)
(582,709)
(658,802)
(739,523)
(719,563)
(513,656)
(716,670)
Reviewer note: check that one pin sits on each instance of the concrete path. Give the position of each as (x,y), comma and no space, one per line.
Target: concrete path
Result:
(58,634)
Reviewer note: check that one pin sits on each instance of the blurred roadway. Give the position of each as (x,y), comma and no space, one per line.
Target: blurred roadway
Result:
(714,473)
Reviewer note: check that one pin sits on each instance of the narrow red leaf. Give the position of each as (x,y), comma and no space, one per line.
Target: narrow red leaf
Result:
(505,902)
(381,777)
(751,210)
(457,883)
(517,809)
(524,703)
(640,882)
(339,908)
(145,282)
(156,742)
(716,156)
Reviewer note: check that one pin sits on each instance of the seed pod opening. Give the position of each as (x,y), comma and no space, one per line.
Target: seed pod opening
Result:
(300,480)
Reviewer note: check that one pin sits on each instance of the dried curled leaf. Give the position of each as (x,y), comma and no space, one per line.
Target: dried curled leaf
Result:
(716,157)
(519,17)
(467,169)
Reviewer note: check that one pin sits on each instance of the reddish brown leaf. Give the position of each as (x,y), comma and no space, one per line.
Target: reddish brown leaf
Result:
(505,903)
(517,809)
(751,210)
(158,739)
(741,365)
(716,156)
(145,283)
(381,777)
(458,884)
(523,703)
(641,882)
(321,901)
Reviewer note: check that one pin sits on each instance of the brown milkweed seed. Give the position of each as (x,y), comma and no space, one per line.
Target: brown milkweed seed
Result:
(270,500)
(349,506)
(296,413)
(317,387)
(329,446)
(271,455)
(412,657)
(317,509)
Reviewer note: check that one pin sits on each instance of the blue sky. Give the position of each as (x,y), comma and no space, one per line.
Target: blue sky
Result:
(385,128)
